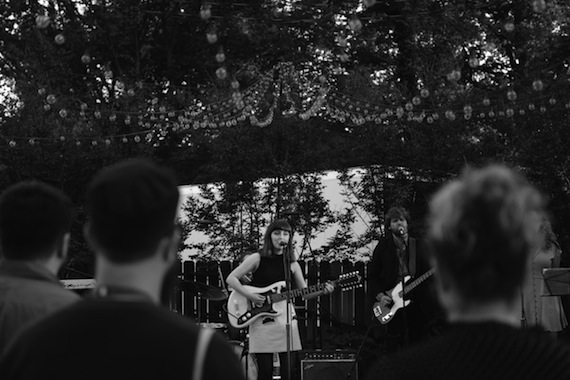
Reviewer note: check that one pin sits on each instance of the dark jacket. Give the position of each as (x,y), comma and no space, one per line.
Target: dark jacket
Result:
(383,269)
(383,276)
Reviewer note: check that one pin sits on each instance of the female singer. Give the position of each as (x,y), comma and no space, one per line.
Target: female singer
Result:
(538,310)
(267,335)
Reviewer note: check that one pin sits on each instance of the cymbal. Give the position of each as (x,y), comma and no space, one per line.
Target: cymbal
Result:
(202,290)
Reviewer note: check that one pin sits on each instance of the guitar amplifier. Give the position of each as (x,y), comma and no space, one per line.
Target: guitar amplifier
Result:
(329,365)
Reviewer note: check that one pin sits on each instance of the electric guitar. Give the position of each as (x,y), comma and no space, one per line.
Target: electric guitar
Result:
(385,313)
(242,312)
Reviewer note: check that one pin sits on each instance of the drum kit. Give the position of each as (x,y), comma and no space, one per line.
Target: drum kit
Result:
(237,338)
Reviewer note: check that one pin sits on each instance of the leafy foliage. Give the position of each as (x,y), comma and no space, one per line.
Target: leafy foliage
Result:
(451,83)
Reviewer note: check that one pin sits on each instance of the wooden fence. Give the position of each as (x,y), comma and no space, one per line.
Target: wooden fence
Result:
(341,308)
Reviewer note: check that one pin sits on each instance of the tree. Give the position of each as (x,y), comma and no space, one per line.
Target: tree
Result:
(227,91)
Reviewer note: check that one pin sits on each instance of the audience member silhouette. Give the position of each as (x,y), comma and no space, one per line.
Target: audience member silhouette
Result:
(122,331)
(35,219)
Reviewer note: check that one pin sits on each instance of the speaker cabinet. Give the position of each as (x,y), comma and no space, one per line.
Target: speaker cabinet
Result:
(328,369)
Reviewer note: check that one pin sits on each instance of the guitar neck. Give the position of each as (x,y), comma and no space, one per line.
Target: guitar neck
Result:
(298,292)
(408,288)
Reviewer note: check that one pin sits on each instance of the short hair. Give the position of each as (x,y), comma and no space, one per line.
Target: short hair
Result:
(279,224)
(481,229)
(395,212)
(34,217)
(131,206)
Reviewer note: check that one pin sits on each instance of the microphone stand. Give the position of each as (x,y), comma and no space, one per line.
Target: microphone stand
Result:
(523,314)
(405,313)
(353,367)
(287,270)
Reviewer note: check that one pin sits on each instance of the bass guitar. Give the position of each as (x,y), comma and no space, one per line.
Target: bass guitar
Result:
(242,312)
(385,313)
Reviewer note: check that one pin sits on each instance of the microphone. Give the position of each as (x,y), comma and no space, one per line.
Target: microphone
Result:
(401,231)
(283,244)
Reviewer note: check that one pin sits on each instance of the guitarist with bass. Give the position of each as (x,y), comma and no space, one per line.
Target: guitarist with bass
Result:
(267,334)
(396,256)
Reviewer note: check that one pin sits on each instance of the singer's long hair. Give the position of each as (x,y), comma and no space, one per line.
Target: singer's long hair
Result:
(267,249)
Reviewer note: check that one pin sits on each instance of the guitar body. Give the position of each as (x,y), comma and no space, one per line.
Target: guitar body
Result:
(385,313)
(242,312)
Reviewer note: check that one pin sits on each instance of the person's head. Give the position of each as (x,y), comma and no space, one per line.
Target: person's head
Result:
(278,233)
(547,235)
(131,209)
(35,220)
(481,229)
(397,218)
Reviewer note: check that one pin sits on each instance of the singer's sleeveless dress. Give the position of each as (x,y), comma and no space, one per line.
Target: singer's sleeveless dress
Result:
(268,334)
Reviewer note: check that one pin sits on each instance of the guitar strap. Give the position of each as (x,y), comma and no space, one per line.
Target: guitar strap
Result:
(412,252)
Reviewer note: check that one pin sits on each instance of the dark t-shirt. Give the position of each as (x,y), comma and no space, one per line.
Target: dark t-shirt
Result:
(100,338)
(479,351)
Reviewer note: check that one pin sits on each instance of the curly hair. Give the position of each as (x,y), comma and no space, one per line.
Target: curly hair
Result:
(481,229)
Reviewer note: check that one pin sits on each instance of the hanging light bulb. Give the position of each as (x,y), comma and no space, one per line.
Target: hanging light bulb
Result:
(220,56)
(473,62)
(355,24)
(59,39)
(512,95)
(537,85)
(205,11)
(51,99)
(42,21)
(509,26)
(222,73)
(539,6)
(212,37)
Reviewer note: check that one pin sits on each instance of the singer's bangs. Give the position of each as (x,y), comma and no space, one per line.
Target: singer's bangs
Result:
(281,225)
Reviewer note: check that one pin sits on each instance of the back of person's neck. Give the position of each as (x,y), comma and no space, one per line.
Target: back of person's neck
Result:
(142,276)
(51,264)
(499,311)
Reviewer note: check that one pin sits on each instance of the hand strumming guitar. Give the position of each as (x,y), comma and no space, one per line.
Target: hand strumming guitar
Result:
(384,298)
(257,299)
